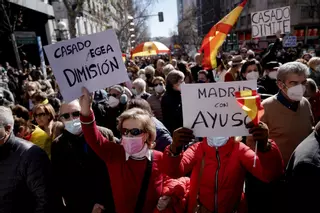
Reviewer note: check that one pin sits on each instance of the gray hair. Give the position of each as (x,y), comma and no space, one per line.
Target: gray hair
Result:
(167,69)
(149,70)
(6,117)
(173,78)
(312,85)
(141,84)
(292,68)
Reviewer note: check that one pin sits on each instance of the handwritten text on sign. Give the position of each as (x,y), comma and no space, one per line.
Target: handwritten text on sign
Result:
(212,110)
(93,61)
(289,41)
(268,22)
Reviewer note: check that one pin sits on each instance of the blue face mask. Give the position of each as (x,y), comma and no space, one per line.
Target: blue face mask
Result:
(217,141)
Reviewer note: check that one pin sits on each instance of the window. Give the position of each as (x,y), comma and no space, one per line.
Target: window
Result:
(307,12)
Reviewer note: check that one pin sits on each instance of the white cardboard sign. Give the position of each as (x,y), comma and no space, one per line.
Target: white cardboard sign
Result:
(93,61)
(268,22)
(211,109)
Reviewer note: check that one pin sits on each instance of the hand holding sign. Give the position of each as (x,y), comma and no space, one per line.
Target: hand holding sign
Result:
(85,102)
(181,137)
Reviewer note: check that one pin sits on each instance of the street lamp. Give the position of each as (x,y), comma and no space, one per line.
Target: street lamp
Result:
(133,35)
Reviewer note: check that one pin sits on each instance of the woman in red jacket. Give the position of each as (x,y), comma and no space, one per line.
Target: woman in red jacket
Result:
(218,167)
(135,177)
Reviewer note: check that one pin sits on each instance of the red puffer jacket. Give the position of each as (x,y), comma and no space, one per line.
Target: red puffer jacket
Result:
(178,190)
(224,172)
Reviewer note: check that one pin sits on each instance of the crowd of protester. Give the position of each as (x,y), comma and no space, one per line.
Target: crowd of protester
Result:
(124,149)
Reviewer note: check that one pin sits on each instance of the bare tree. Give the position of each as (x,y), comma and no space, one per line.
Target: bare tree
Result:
(187,35)
(74,8)
(10,18)
(139,10)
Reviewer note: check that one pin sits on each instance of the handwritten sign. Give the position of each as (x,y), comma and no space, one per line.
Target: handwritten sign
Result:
(289,41)
(93,61)
(268,22)
(212,109)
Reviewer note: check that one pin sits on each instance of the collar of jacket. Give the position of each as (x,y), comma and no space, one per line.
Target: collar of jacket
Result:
(223,150)
(284,101)
(171,91)
(7,146)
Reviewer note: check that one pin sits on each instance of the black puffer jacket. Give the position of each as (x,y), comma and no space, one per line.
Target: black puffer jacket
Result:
(25,178)
(172,109)
(81,176)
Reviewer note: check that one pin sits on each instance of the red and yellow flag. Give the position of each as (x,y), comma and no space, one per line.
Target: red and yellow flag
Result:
(250,102)
(216,36)
(124,56)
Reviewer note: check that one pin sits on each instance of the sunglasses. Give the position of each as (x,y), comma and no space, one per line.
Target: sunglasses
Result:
(161,84)
(40,115)
(72,114)
(133,132)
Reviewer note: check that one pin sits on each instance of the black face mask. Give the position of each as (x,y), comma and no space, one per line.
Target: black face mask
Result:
(201,82)
(148,76)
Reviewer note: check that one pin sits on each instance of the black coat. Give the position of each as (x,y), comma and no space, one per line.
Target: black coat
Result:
(81,176)
(270,85)
(172,109)
(25,178)
(303,175)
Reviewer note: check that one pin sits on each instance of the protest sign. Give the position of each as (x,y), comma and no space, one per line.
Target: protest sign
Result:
(212,109)
(93,61)
(268,22)
(289,41)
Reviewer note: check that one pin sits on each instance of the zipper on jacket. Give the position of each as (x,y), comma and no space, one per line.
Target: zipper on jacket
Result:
(216,183)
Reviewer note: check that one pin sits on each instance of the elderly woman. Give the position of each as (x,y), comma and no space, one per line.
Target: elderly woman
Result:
(135,176)
(171,101)
(159,70)
(168,68)
(139,89)
(44,115)
(155,100)
(163,138)
(219,165)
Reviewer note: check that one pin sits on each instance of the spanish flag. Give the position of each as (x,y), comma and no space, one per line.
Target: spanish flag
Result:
(124,56)
(216,36)
(250,102)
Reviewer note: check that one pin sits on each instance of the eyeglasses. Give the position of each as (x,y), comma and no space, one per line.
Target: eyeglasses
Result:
(72,114)
(161,84)
(133,132)
(39,115)
(113,95)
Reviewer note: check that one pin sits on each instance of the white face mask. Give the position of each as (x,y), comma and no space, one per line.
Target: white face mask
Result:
(217,141)
(273,74)
(159,89)
(73,126)
(252,75)
(113,102)
(296,93)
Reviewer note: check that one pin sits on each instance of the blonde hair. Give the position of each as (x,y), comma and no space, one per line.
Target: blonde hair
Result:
(47,108)
(144,117)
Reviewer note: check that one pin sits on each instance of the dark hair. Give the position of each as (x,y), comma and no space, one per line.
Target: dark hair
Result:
(20,112)
(246,65)
(140,103)
(204,72)
(182,66)
(39,96)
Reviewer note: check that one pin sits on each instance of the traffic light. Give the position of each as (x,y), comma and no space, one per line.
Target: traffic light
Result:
(160,15)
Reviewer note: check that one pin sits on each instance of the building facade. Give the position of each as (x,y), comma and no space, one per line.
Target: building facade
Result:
(94,18)
(305,22)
